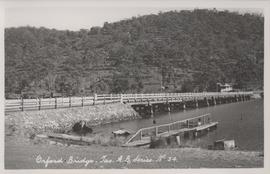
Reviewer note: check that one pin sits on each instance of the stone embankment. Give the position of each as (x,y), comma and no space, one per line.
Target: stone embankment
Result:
(30,123)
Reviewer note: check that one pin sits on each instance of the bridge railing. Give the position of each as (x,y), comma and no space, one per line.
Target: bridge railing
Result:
(130,98)
(54,103)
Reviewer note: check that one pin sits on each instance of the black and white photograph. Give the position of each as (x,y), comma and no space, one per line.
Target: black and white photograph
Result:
(135,85)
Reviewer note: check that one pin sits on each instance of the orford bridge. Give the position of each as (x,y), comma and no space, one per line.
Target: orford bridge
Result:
(148,104)
(145,104)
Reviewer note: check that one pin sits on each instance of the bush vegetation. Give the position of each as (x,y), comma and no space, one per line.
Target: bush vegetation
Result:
(182,51)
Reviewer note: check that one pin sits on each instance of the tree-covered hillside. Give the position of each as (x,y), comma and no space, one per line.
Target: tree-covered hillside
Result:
(181,51)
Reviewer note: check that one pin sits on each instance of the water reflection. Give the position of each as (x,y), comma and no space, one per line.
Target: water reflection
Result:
(241,121)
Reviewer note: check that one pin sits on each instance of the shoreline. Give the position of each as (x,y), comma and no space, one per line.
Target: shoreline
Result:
(30,123)
(22,152)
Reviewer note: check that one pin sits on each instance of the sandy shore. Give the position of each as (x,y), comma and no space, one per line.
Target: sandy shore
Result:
(26,155)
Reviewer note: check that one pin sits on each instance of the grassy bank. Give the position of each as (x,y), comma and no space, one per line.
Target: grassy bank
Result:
(20,155)
(29,123)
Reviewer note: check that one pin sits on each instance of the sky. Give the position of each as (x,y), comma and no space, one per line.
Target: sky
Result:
(68,17)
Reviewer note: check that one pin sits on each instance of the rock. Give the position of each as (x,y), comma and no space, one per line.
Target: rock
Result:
(52,142)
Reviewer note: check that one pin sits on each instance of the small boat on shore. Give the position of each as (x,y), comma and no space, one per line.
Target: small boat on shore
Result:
(121,132)
(223,145)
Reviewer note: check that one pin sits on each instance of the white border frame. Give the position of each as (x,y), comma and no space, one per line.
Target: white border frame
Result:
(142,3)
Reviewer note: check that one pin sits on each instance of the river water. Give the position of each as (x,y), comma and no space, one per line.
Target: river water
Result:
(242,122)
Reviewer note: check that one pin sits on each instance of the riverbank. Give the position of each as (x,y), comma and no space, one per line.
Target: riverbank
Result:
(26,152)
(24,155)
(30,123)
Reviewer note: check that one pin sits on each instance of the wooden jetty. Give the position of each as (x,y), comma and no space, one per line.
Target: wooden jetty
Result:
(143,136)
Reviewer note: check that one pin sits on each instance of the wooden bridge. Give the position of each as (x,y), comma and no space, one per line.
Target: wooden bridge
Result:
(143,136)
(135,100)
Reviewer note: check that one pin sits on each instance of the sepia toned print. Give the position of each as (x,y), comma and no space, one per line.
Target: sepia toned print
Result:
(134,88)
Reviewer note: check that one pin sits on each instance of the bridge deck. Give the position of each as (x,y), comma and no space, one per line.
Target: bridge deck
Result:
(15,105)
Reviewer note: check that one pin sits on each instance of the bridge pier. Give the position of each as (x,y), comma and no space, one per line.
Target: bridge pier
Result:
(219,100)
(190,104)
(168,107)
(196,103)
(149,107)
(156,108)
(211,101)
(184,105)
(151,110)
(224,100)
(201,103)
(214,101)
(239,98)
(227,99)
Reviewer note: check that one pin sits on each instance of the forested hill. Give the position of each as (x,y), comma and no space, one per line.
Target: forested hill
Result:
(181,51)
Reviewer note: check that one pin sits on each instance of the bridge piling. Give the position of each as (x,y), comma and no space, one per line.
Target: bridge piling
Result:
(197,104)
(151,111)
(22,104)
(55,103)
(214,101)
(168,107)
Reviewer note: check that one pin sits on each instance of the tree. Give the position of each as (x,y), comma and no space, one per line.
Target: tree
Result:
(200,47)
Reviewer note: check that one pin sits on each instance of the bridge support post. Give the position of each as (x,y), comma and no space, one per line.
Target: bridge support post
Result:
(225,99)
(121,98)
(22,104)
(219,100)
(151,110)
(82,101)
(55,103)
(39,103)
(235,98)
(178,140)
(206,100)
(168,107)
(95,99)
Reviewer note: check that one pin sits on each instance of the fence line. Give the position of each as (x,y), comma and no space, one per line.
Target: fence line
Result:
(54,103)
